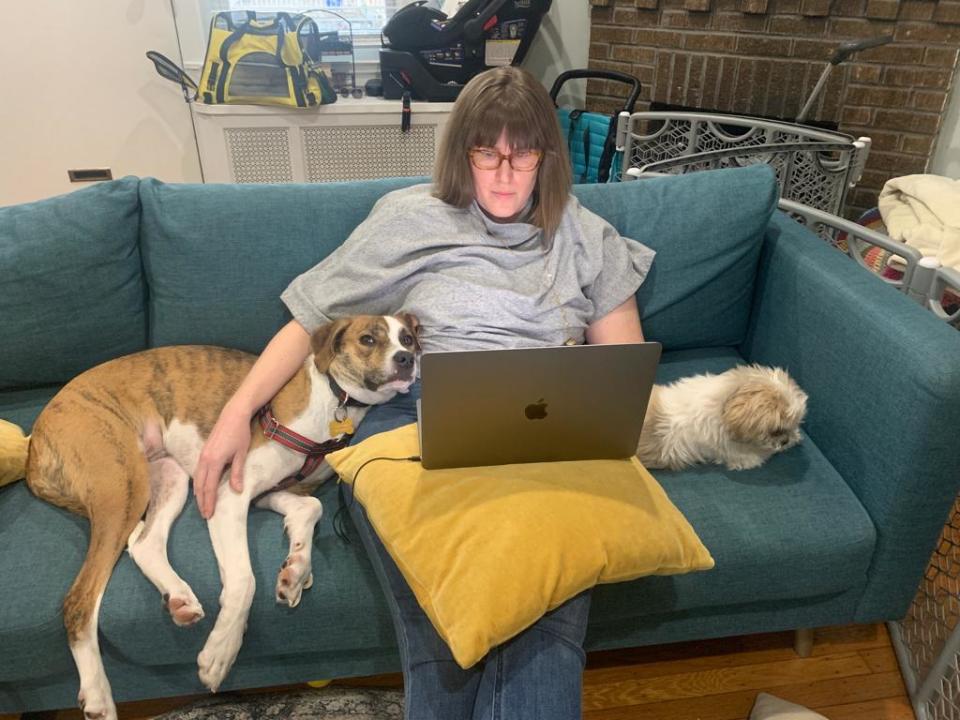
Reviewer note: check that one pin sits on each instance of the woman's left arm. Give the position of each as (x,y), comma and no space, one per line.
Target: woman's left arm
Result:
(620,325)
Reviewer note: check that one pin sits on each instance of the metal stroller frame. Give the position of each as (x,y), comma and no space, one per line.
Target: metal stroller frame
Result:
(814,167)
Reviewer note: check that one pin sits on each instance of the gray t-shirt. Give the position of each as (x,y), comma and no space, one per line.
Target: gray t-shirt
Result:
(474,284)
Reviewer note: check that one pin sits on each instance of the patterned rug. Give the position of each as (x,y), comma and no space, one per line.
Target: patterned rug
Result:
(331,703)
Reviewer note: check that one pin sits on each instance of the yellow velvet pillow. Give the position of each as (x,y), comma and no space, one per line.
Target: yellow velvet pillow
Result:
(488,550)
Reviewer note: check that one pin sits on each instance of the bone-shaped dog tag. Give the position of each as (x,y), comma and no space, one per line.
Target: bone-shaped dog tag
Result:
(338,427)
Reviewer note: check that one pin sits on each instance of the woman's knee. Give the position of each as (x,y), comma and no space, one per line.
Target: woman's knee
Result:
(551,646)
(568,622)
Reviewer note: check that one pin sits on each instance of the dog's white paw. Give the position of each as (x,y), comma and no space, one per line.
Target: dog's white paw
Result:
(96,701)
(295,577)
(217,657)
(745,463)
(184,608)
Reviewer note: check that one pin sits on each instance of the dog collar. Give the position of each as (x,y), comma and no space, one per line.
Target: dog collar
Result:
(343,399)
(315,452)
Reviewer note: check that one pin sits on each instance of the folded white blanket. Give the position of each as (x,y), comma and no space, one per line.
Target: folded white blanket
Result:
(924,211)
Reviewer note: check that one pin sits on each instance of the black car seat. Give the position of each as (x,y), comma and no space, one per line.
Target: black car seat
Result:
(434,56)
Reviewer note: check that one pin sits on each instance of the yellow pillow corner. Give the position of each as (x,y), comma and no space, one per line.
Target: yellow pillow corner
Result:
(488,550)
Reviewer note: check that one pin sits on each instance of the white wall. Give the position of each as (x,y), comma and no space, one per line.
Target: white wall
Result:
(563,43)
(81,94)
(946,155)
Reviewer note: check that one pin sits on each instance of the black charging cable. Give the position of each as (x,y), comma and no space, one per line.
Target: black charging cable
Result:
(339,520)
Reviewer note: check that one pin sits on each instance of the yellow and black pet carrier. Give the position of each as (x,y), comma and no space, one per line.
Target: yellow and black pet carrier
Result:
(257,59)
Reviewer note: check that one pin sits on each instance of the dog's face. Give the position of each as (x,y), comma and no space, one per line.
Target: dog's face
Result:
(765,409)
(372,357)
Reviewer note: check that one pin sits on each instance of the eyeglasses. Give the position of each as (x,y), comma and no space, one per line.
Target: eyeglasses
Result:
(491,159)
(346,92)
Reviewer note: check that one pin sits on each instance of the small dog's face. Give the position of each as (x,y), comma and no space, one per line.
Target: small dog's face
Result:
(376,353)
(766,409)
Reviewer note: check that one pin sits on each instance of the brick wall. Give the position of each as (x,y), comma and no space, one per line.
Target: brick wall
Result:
(763,57)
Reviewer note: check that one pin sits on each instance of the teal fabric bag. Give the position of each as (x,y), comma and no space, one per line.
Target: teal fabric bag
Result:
(586,135)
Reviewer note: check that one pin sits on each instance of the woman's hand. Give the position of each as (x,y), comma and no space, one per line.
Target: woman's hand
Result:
(227,445)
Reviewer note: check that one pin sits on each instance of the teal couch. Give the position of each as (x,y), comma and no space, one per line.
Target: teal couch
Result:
(836,530)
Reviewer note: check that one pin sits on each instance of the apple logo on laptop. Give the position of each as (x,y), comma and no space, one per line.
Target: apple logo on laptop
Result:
(536,411)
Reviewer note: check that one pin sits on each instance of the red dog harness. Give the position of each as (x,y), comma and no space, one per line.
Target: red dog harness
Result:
(315,452)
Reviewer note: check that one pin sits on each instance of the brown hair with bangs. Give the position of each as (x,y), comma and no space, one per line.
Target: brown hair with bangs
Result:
(512,100)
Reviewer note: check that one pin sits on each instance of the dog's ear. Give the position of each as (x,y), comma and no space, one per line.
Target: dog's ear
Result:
(752,410)
(412,323)
(326,342)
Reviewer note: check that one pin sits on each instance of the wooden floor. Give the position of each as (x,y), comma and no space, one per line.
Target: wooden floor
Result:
(851,675)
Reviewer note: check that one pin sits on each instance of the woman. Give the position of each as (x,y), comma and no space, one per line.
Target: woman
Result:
(496,253)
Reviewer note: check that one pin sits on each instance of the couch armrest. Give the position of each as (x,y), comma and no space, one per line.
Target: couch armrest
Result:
(883,376)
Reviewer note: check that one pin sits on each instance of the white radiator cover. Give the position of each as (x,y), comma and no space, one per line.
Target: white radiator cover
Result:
(351,139)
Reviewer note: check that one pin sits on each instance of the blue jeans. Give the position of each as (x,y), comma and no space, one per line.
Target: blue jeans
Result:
(537,674)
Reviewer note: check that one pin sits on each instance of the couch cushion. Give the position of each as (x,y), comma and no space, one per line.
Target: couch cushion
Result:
(217,257)
(73,295)
(44,546)
(789,529)
(23,406)
(707,229)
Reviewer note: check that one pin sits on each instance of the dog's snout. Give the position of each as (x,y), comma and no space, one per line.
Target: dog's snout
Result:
(403,359)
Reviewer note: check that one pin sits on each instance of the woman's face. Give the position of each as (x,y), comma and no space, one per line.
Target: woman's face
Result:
(503,193)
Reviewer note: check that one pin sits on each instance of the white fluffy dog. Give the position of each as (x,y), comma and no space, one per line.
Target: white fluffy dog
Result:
(738,418)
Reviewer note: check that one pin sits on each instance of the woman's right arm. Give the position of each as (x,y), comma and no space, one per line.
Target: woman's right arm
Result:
(230,438)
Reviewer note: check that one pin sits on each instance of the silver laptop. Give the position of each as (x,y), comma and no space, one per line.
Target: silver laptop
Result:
(494,407)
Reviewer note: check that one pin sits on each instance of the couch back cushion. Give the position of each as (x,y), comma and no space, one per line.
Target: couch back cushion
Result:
(707,229)
(73,295)
(217,257)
